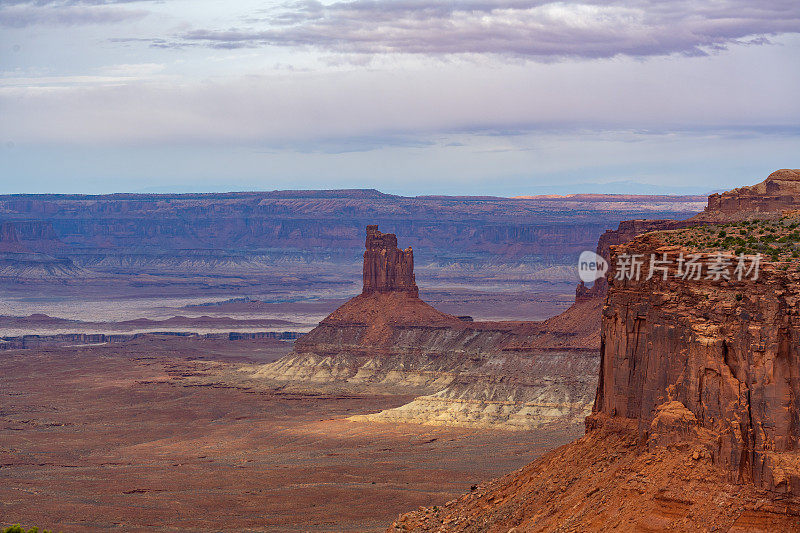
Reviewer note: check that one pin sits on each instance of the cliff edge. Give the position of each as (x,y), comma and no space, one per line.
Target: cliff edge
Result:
(726,350)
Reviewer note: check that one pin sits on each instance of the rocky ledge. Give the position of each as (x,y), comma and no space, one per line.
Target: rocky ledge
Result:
(781,190)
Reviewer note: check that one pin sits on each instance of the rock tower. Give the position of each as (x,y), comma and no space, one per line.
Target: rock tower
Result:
(386,267)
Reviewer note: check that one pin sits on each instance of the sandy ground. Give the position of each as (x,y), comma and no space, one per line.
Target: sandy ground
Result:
(145,436)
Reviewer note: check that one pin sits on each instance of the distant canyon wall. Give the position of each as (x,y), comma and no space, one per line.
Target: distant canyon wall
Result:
(236,231)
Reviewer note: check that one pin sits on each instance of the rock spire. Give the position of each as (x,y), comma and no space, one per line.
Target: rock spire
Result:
(387,268)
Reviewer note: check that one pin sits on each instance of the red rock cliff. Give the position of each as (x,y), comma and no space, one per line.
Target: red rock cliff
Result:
(728,351)
(387,268)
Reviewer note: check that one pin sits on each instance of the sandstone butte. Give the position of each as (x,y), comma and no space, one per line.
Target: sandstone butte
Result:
(695,423)
(514,375)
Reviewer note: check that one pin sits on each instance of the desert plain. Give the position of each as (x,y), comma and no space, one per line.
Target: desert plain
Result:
(158,434)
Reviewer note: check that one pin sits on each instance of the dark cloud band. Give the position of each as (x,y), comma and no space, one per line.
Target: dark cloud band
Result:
(533,29)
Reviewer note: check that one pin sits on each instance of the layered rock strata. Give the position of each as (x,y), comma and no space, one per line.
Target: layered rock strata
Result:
(314,235)
(695,425)
(515,375)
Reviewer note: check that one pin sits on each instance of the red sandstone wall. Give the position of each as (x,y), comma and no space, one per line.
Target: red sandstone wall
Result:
(729,351)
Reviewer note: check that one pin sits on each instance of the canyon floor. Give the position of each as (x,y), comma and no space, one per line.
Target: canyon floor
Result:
(156,435)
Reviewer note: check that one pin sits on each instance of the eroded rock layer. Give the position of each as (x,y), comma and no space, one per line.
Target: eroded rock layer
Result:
(515,375)
(695,425)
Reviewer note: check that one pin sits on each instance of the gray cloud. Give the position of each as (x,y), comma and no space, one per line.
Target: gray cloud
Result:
(747,89)
(536,29)
(21,14)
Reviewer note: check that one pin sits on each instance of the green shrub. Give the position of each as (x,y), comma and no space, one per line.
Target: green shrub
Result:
(16,528)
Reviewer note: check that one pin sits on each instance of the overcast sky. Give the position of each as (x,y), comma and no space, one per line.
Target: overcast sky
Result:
(503,97)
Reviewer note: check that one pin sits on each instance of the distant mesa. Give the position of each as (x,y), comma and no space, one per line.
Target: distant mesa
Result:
(258,234)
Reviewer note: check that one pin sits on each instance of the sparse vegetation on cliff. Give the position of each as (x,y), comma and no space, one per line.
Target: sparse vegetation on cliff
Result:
(17,528)
(776,239)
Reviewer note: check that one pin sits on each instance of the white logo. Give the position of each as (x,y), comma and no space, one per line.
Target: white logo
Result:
(591,267)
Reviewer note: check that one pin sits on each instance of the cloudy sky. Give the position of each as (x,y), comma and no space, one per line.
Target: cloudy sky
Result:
(503,97)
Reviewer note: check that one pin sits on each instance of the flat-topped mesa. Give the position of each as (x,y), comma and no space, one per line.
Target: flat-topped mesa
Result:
(781,190)
(386,267)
